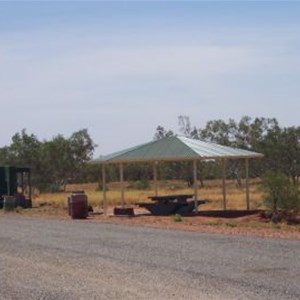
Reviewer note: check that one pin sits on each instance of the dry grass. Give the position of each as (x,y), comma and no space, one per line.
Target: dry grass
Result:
(55,206)
(236,197)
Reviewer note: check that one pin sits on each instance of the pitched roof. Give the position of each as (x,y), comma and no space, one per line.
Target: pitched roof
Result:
(176,148)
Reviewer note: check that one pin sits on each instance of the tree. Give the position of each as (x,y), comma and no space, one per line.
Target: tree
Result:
(64,159)
(58,162)
(82,148)
(279,192)
(24,149)
(282,151)
(251,133)
(54,162)
(185,127)
(218,131)
(4,155)
(161,133)
(291,137)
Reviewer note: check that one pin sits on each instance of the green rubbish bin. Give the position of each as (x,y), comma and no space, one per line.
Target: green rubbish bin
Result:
(9,203)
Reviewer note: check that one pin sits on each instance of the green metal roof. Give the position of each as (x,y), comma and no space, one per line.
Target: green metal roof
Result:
(176,148)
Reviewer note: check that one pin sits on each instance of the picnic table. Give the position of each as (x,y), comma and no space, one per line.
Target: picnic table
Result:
(171,204)
(179,198)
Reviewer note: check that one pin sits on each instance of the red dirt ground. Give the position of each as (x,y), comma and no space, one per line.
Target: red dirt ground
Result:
(231,223)
(246,225)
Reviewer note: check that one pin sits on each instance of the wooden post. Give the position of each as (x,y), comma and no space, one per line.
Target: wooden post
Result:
(104,204)
(247,185)
(155,178)
(122,185)
(224,183)
(195,185)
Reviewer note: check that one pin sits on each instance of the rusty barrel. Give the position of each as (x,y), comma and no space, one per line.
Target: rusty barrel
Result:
(78,206)
(69,200)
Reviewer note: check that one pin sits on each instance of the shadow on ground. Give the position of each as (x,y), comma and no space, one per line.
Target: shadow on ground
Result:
(230,214)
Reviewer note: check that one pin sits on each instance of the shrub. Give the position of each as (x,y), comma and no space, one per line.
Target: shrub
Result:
(143,184)
(49,187)
(280,193)
(100,187)
(231,224)
(177,218)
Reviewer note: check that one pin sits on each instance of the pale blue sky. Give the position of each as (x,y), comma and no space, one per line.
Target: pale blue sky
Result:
(122,68)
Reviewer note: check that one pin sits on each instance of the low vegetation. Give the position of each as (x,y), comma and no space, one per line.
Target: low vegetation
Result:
(211,191)
(177,218)
(280,193)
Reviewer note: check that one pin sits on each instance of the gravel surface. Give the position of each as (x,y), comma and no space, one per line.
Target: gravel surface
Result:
(52,259)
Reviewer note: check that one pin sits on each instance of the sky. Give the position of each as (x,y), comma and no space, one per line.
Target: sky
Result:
(122,68)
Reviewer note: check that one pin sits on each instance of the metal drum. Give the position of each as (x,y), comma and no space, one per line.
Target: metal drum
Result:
(78,206)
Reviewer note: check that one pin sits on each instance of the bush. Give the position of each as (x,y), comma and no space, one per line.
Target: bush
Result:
(141,184)
(280,192)
(49,187)
(177,218)
(100,187)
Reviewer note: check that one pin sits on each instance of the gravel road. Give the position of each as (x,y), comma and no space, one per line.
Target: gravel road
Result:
(49,259)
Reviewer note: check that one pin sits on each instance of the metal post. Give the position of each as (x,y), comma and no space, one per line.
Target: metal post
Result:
(22,182)
(104,204)
(29,184)
(7,177)
(122,185)
(155,178)
(195,185)
(224,183)
(247,185)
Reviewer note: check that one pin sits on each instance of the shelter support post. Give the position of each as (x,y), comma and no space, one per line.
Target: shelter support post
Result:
(195,185)
(104,203)
(155,178)
(122,185)
(22,182)
(247,185)
(224,183)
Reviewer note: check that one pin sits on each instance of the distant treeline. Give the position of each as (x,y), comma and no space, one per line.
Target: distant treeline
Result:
(62,160)
(55,162)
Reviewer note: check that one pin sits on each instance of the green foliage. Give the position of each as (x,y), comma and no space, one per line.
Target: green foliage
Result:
(282,151)
(64,159)
(280,146)
(100,187)
(280,192)
(133,171)
(143,184)
(177,218)
(231,224)
(19,209)
(25,149)
(4,156)
(54,162)
(161,133)
(48,187)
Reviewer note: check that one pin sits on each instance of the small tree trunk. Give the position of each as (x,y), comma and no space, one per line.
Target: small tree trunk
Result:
(201,182)
(238,180)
